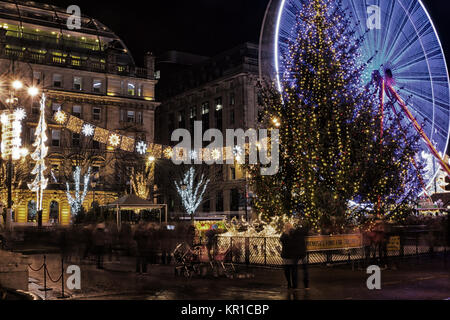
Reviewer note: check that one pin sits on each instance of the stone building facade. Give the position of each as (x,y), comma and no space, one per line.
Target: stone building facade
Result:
(222,93)
(88,73)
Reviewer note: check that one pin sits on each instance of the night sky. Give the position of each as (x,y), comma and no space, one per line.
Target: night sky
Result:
(200,26)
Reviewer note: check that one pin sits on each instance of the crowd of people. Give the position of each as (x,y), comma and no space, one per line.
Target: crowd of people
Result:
(150,243)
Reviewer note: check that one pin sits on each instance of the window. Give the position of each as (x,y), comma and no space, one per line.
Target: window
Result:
(131,89)
(206,206)
(35,108)
(96,114)
(130,116)
(55,107)
(218,104)
(193,113)
(32,135)
(56,137)
(78,83)
(205,115)
(76,111)
(181,119)
(55,170)
(140,119)
(97,86)
(37,77)
(219,201)
(232,117)
(57,80)
(205,108)
(234,200)
(218,113)
(232,99)
(140,90)
(232,173)
(75,139)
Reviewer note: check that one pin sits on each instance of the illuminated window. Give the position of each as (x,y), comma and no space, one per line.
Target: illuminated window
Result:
(131,89)
(97,86)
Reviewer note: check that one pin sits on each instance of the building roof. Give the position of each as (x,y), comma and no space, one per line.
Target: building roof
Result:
(132,201)
(44,25)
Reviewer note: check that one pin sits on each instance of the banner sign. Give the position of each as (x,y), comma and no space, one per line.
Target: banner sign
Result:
(394,243)
(341,241)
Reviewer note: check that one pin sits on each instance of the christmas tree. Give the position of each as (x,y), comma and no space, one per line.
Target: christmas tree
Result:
(340,156)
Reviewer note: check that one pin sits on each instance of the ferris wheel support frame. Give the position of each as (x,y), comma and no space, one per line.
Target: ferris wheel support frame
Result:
(387,89)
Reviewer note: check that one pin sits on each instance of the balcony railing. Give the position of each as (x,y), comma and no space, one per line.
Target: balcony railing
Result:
(70,62)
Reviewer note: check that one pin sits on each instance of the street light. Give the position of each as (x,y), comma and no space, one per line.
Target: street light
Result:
(17,85)
(33,91)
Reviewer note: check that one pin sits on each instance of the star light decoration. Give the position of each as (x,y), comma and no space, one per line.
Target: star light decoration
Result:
(114,140)
(88,130)
(141,147)
(20,114)
(60,116)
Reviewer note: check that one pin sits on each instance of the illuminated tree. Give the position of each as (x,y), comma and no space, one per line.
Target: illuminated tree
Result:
(340,157)
(76,202)
(191,190)
(143,180)
(39,183)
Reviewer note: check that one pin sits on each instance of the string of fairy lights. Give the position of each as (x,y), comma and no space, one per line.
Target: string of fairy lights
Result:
(157,151)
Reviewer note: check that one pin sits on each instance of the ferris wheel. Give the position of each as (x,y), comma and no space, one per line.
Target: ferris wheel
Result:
(408,63)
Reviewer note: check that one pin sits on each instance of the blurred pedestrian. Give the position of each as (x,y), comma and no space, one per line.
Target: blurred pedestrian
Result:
(99,244)
(142,239)
(211,243)
(294,249)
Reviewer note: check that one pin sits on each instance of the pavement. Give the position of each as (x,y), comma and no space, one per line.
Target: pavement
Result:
(413,278)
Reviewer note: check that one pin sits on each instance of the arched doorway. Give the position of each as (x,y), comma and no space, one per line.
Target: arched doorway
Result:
(54,212)
(32,212)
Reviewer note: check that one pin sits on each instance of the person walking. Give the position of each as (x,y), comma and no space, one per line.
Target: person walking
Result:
(294,249)
(99,244)
(141,237)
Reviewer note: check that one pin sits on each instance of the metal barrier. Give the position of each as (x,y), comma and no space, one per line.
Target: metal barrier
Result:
(47,274)
(266,251)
